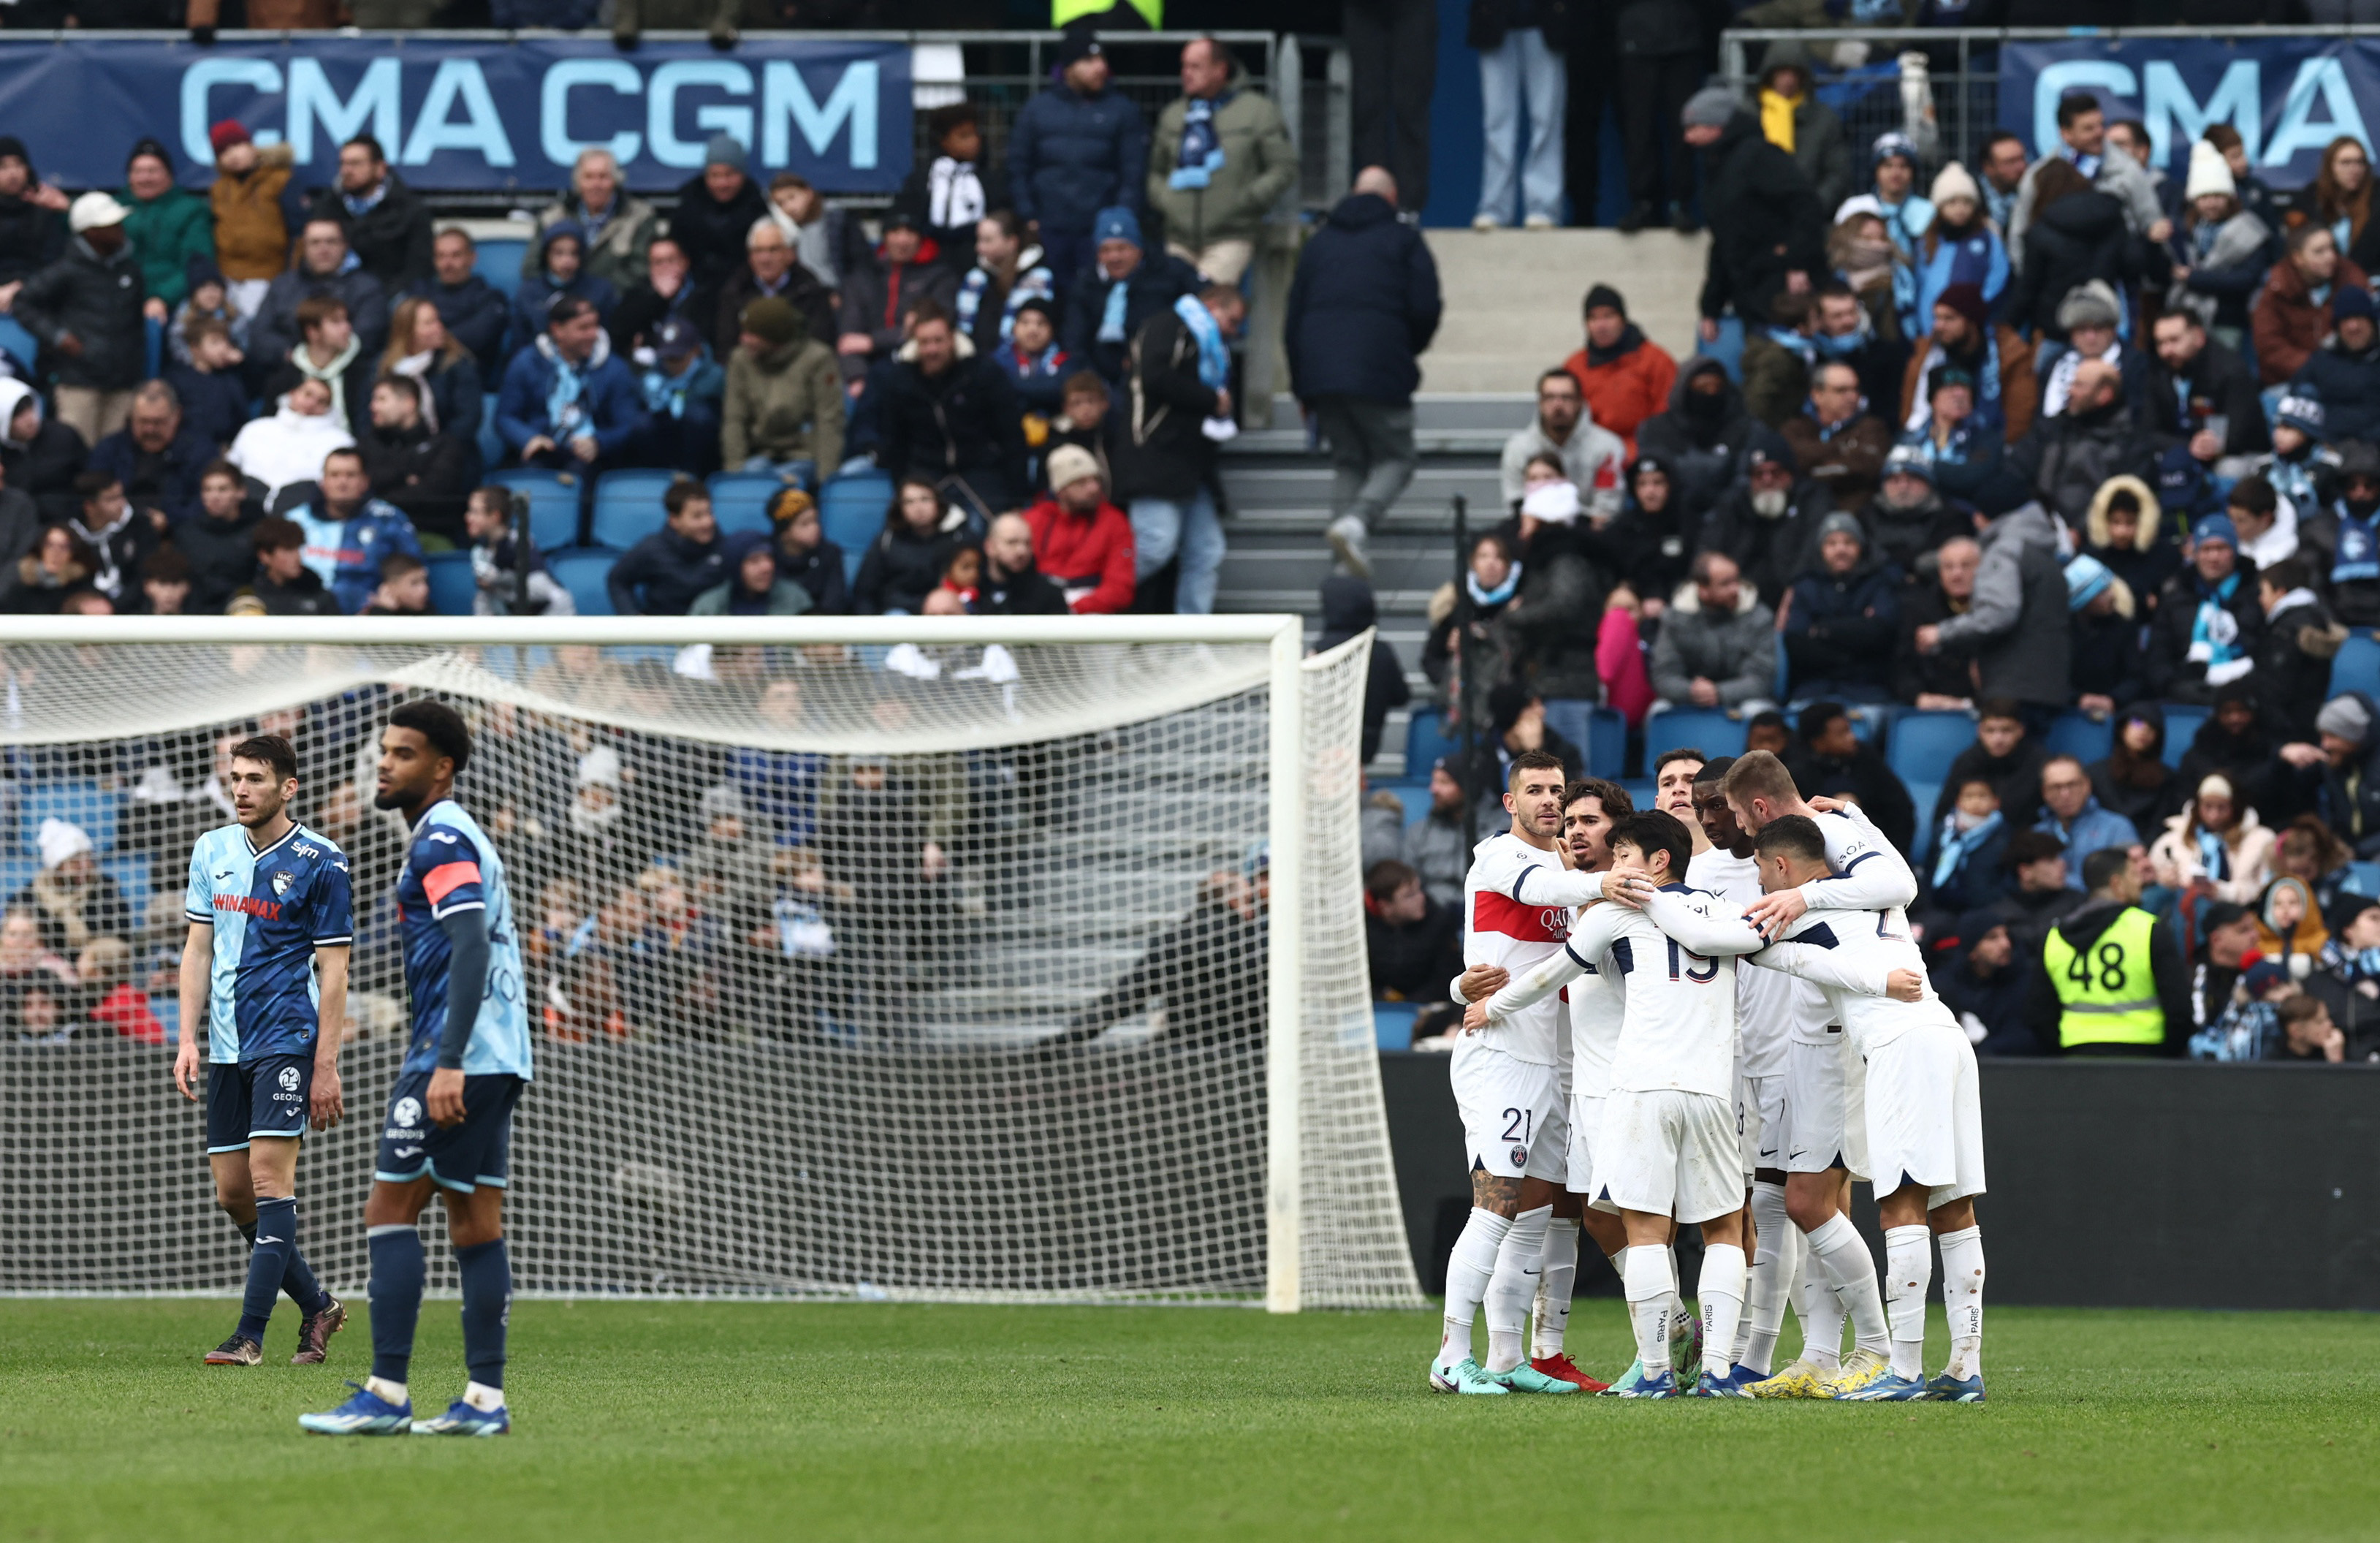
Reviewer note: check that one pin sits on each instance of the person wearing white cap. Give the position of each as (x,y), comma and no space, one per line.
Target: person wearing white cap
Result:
(87,309)
(2221,251)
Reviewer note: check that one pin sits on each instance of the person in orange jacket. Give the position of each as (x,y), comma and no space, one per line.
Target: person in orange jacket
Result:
(1625,375)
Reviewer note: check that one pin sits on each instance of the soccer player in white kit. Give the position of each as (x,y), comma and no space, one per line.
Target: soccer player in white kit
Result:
(1669,1146)
(1507,1081)
(1925,1113)
(1825,1134)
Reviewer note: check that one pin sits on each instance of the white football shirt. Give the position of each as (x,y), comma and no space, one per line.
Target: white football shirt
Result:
(1517,901)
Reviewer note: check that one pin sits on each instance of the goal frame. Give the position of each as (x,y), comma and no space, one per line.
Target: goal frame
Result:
(1285,781)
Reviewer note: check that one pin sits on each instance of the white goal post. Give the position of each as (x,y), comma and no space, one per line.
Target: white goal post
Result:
(876,957)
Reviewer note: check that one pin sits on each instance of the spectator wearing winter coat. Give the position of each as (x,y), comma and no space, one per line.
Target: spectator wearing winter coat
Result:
(683,389)
(2005,755)
(906,561)
(1348,610)
(119,535)
(281,583)
(1998,363)
(1107,304)
(1008,273)
(1013,585)
(1363,308)
(1218,163)
(715,212)
(2069,458)
(1768,522)
(877,297)
(2221,253)
(86,309)
(561,272)
(349,533)
(1839,445)
(289,446)
(2017,623)
(2217,840)
(475,311)
(666,572)
(1892,194)
(2100,167)
(1652,532)
(453,397)
(1984,984)
(951,417)
(948,197)
(1766,221)
(1778,358)
(2341,542)
(254,211)
(668,294)
(1702,438)
(1718,643)
(423,471)
(1164,460)
(2072,813)
(1034,363)
(566,403)
(213,396)
(1958,246)
(1547,633)
(32,215)
(1846,333)
(157,460)
(2294,656)
(2079,236)
(1080,541)
(804,555)
(1592,458)
(1967,865)
(387,225)
(2343,375)
(1907,521)
(327,351)
(168,227)
(219,544)
(2125,529)
(1625,377)
(1414,943)
(1841,617)
(2337,774)
(2293,311)
(2110,669)
(1074,149)
(2208,627)
(1795,121)
(1459,617)
(1828,760)
(615,227)
(1943,680)
(2133,780)
(784,403)
(325,265)
(2198,379)
(753,585)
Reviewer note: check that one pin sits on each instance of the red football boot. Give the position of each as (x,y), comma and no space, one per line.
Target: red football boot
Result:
(1565,1369)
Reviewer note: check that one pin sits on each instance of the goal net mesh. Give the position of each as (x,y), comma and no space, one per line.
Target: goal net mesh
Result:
(922,971)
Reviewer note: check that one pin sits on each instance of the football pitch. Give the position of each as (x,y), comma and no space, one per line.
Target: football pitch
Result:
(673,1420)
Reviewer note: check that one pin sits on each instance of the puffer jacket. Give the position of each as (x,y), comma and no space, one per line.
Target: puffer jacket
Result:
(1626,387)
(2289,325)
(2067,459)
(2080,238)
(1230,202)
(166,231)
(1070,156)
(1737,654)
(1842,627)
(98,299)
(963,423)
(1549,631)
(2153,555)
(786,404)
(2016,624)
(1702,445)
(2349,387)
(1821,147)
(1364,306)
(251,226)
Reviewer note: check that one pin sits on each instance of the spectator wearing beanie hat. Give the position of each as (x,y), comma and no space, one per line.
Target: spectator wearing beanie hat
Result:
(1624,376)
(1960,245)
(2344,373)
(785,403)
(2293,312)
(32,214)
(1995,359)
(2301,466)
(2087,320)
(2221,252)
(252,222)
(716,209)
(2208,623)
(168,226)
(1082,542)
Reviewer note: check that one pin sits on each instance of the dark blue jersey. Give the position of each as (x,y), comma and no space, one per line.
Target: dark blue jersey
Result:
(270,911)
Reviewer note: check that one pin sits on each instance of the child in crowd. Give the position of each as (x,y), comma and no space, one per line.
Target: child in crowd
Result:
(1036,366)
(495,563)
(205,376)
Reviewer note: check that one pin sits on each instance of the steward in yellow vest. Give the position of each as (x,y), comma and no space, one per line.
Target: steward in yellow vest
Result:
(2110,980)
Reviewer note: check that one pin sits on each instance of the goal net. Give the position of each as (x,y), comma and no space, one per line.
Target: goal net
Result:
(992,959)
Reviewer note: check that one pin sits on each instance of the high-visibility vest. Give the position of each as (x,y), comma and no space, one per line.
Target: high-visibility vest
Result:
(2107,993)
(1064,11)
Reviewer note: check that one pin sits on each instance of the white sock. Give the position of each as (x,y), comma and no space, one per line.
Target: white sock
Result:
(1560,1273)
(1908,1266)
(1842,1253)
(1467,1273)
(1646,1276)
(1819,1310)
(1514,1286)
(479,1395)
(1776,1249)
(1962,1296)
(1678,1314)
(1719,1294)
(381,1387)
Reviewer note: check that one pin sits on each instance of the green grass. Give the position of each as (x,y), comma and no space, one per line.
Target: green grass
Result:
(666,1421)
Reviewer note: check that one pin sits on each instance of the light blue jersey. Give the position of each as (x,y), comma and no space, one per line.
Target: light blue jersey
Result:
(270,910)
(451,866)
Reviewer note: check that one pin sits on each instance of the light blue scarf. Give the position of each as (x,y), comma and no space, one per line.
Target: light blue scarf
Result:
(1958,845)
(1496,596)
(2212,642)
(1214,354)
(1112,317)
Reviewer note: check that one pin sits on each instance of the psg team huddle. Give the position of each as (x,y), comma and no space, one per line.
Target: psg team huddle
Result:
(1707,1014)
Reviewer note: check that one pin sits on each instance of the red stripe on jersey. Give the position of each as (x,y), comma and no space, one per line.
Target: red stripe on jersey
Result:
(446,878)
(1491,912)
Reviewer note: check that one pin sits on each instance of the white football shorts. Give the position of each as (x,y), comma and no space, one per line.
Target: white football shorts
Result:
(1513,1119)
(1670,1152)
(1925,1116)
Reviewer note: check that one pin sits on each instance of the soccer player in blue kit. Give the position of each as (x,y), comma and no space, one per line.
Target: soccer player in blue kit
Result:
(450,1115)
(270,909)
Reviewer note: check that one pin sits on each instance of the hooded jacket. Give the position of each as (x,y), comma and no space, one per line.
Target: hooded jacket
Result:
(1736,653)
(347,552)
(1840,628)
(786,404)
(1821,147)
(392,237)
(46,465)
(2247,854)
(616,248)
(2152,557)
(1071,155)
(614,407)
(1229,201)
(1701,439)
(539,288)
(252,215)
(32,238)
(286,448)
(2144,789)
(1756,199)
(1163,452)
(98,299)
(2289,324)
(1626,386)
(2017,623)
(2083,927)
(2080,238)
(1547,633)
(963,423)
(1363,308)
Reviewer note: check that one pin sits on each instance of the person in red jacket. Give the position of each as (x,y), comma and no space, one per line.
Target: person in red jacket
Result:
(1082,542)
(1624,376)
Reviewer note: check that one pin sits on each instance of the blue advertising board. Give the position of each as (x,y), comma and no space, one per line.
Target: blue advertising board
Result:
(463,114)
(2289,97)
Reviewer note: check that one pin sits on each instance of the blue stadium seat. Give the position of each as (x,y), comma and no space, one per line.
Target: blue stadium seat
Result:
(2364,879)
(2181,727)
(581,570)
(629,506)
(132,874)
(77,802)
(452,590)
(18,344)
(1426,742)
(1709,730)
(1605,743)
(1393,1024)
(1923,795)
(851,508)
(740,499)
(1412,791)
(1640,791)
(1924,743)
(499,262)
(2077,734)
(1573,719)
(2357,668)
(553,504)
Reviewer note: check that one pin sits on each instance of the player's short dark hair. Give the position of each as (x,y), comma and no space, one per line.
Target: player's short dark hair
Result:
(1676,753)
(2073,105)
(1616,804)
(272,749)
(1796,835)
(1714,771)
(438,724)
(1651,830)
(1531,760)
(1998,707)
(2027,848)
(680,493)
(2103,867)
(1759,774)
(1385,877)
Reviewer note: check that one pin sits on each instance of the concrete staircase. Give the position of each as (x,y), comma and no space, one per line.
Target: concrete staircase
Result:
(1513,298)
